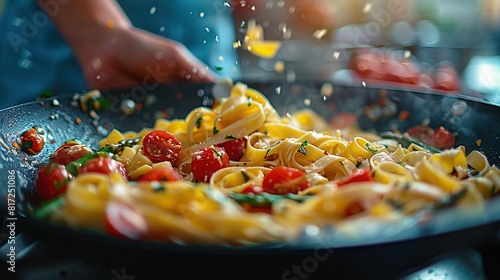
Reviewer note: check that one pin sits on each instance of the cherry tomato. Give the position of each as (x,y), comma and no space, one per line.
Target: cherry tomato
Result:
(439,138)
(358,175)
(206,161)
(235,148)
(52,180)
(425,80)
(421,133)
(69,151)
(446,77)
(124,221)
(103,165)
(252,189)
(161,174)
(443,139)
(160,145)
(282,180)
(32,142)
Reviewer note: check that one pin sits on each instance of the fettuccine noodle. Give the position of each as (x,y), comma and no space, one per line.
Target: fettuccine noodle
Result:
(406,180)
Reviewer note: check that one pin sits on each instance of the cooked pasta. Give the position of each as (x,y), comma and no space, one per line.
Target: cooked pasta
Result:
(400,180)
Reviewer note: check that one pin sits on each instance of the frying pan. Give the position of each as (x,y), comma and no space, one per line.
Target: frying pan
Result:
(476,124)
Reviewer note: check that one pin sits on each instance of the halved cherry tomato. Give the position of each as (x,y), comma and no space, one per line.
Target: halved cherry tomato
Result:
(443,139)
(282,180)
(235,148)
(52,180)
(69,151)
(160,145)
(32,142)
(206,161)
(103,165)
(252,189)
(124,221)
(422,133)
(161,174)
(358,175)
(439,138)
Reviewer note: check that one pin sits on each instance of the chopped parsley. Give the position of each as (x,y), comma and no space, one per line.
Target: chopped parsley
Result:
(370,149)
(249,101)
(302,148)
(229,136)
(245,176)
(215,130)
(198,122)
(97,103)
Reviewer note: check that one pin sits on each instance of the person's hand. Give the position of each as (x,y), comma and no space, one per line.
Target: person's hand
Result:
(114,54)
(118,57)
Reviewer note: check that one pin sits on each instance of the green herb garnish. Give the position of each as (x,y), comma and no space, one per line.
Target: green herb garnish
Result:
(245,176)
(302,148)
(198,122)
(370,149)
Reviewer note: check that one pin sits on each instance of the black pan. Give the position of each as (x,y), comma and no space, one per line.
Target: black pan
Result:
(312,258)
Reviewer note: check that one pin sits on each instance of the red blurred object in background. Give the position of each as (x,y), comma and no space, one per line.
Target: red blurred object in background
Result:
(399,67)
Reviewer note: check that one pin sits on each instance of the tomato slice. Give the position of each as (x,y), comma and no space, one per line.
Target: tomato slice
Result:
(161,174)
(124,221)
(206,161)
(443,139)
(235,148)
(358,175)
(32,142)
(421,133)
(103,165)
(69,152)
(52,180)
(160,145)
(282,180)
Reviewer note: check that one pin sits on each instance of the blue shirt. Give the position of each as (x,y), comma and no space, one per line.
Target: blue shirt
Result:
(34,57)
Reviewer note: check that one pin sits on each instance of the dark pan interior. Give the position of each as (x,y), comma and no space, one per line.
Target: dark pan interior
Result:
(470,119)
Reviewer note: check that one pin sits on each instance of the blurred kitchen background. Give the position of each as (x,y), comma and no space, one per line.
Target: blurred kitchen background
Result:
(320,38)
